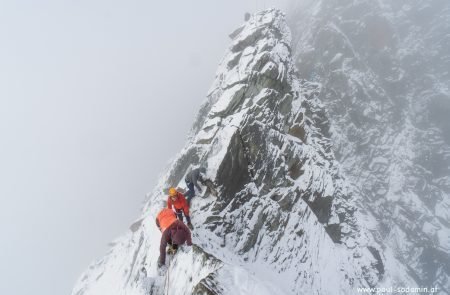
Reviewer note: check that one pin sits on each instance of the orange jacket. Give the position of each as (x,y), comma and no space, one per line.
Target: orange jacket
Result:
(165,218)
(179,204)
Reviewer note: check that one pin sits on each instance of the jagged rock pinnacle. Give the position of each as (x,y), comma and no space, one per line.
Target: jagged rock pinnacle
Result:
(275,217)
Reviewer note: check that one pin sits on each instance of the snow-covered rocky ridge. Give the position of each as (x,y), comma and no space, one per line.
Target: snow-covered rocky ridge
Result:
(384,69)
(277,217)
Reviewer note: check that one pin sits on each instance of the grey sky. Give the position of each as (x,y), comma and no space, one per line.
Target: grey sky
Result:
(95,98)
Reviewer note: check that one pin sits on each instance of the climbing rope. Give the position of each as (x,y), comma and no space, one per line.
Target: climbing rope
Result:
(168,276)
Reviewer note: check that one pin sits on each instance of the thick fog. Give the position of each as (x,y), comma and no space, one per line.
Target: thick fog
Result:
(383,68)
(95,98)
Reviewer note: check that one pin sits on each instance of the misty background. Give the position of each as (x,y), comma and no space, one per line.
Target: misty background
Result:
(95,98)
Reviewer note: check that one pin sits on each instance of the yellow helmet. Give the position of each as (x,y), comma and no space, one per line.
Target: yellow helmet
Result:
(172,192)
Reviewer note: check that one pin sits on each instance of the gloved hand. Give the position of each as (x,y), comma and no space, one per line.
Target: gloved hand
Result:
(171,250)
(191,227)
(160,264)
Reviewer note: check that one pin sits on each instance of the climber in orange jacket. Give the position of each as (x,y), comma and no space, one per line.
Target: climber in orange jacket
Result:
(177,201)
(174,233)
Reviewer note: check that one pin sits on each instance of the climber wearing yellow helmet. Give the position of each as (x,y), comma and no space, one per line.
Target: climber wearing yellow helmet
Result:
(177,202)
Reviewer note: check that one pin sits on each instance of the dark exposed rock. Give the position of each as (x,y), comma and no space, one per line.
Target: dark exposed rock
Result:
(233,172)
(208,286)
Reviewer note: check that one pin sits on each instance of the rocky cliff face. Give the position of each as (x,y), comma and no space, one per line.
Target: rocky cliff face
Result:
(383,66)
(277,216)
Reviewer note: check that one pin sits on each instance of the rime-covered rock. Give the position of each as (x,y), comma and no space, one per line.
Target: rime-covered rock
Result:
(383,66)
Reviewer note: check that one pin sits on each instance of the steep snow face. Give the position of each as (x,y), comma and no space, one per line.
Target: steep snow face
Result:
(384,67)
(275,217)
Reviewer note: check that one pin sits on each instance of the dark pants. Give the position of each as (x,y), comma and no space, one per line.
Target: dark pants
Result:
(180,215)
(191,191)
